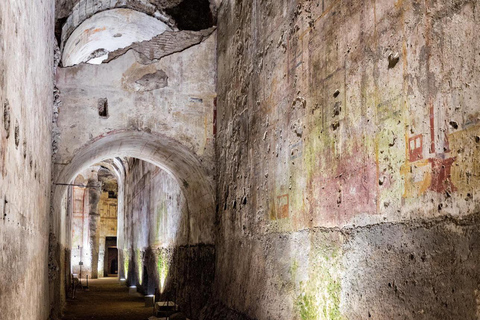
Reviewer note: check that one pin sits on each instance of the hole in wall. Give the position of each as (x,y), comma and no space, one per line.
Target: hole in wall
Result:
(5,202)
(103,108)
(6,117)
(393,60)
(454,124)
(17,133)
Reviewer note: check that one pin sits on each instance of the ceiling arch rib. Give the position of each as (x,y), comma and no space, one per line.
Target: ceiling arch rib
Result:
(161,151)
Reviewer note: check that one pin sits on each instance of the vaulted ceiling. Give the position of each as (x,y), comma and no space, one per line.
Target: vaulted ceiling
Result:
(179,14)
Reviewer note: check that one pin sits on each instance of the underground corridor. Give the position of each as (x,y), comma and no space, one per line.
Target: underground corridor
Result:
(122,278)
(239,159)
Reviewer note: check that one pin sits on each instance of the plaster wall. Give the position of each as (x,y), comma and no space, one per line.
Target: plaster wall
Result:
(347,160)
(173,96)
(26,86)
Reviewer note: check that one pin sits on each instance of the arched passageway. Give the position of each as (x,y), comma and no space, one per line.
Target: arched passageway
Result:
(159,239)
(136,95)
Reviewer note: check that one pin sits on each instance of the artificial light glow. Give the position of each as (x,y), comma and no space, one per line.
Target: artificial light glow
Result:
(126,262)
(162,268)
(140,266)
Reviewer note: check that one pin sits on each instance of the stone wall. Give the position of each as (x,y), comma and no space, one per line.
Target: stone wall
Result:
(26,99)
(160,253)
(347,159)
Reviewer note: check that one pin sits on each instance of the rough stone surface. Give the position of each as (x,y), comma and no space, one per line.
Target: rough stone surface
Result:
(159,254)
(26,86)
(345,146)
(335,176)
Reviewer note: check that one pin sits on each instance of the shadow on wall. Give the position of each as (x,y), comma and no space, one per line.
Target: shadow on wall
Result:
(183,274)
(160,254)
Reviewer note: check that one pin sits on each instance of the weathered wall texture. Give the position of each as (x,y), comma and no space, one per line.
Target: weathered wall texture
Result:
(159,253)
(173,96)
(347,148)
(26,86)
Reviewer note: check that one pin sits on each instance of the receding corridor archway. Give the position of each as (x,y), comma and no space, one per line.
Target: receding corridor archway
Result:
(166,209)
(123,59)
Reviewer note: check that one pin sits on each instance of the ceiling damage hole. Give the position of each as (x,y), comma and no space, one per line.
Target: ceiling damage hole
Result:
(103,107)
(59,23)
(99,54)
(192,15)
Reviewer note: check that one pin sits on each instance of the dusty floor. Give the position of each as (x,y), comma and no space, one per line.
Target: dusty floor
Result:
(107,299)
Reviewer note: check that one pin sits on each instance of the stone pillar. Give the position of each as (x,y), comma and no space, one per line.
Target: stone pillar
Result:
(94,192)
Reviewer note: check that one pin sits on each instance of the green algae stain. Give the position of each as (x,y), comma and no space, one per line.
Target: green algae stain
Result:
(319,297)
(293,270)
(307,307)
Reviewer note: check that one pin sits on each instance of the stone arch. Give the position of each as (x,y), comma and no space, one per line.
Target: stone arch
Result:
(80,179)
(162,151)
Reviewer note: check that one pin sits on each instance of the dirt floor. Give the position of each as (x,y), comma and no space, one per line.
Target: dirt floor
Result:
(106,300)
